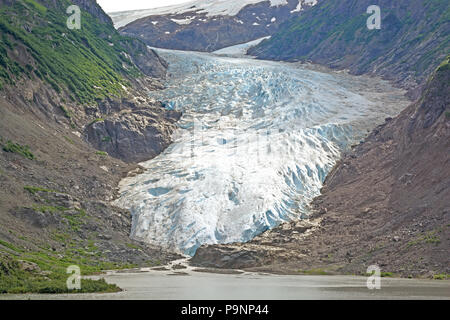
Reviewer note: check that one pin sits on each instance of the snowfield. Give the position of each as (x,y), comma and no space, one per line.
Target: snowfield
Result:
(209,7)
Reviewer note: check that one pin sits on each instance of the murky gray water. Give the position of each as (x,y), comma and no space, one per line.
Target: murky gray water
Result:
(168,285)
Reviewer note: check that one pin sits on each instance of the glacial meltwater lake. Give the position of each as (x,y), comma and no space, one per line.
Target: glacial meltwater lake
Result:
(253,147)
(191,285)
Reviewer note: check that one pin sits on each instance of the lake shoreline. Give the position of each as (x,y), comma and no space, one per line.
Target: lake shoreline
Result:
(168,285)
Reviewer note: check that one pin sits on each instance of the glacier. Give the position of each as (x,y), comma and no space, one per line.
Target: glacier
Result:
(239,50)
(252,149)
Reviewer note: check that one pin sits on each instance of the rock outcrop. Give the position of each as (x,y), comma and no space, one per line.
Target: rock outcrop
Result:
(278,246)
(147,60)
(134,134)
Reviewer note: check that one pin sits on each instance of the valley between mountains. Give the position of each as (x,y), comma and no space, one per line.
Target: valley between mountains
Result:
(323,149)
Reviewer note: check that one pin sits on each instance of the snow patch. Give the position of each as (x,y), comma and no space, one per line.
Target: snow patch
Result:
(210,8)
(302,2)
(240,49)
(183,21)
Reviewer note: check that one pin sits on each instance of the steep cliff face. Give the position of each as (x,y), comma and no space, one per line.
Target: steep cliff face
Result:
(133,136)
(413,39)
(55,86)
(91,7)
(385,203)
(209,25)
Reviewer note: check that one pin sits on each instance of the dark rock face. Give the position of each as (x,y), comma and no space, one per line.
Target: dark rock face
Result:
(413,40)
(134,136)
(147,60)
(385,203)
(275,246)
(94,9)
(211,33)
(36,218)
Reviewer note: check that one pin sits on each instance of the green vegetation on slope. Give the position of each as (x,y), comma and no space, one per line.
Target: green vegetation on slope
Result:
(34,190)
(24,151)
(412,41)
(14,278)
(89,63)
(444,66)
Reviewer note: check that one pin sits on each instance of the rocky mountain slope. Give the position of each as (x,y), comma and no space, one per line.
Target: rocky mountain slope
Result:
(72,102)
(385,203)
(413,39)
(203,25)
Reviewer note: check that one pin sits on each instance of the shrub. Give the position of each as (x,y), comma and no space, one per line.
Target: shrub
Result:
(66,112)
(441,276)
(34,190)
(96,120)
(316,272)
(19,149)
(69,140)
(386,274)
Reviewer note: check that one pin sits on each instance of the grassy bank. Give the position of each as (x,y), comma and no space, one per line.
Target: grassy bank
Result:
(43,272)
(89,64)
(14,280)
